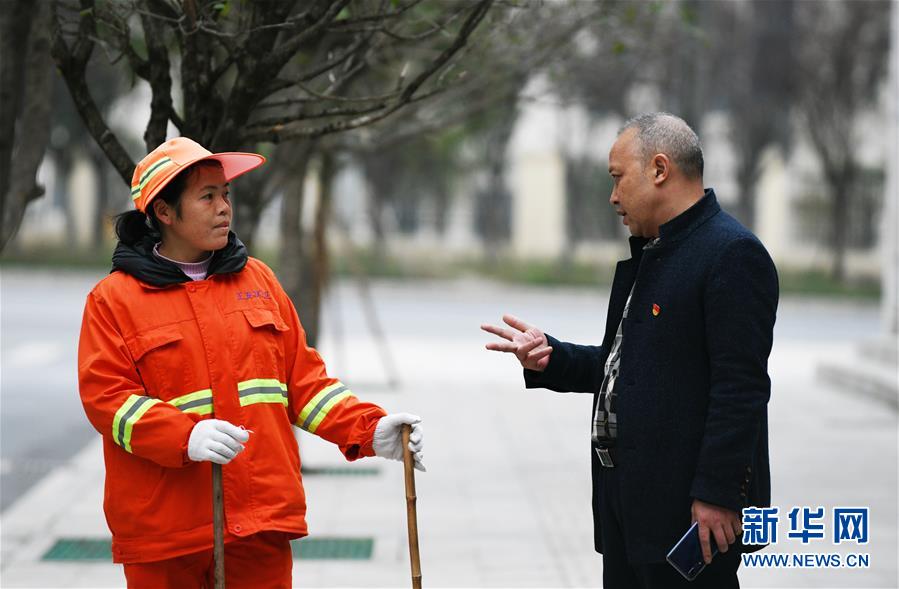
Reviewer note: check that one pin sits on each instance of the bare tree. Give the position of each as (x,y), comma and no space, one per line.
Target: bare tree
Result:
(842,60)
(477,115)
(291,77)
(24,107)
(749,53)
(610,62)
(416,158)
(255,73)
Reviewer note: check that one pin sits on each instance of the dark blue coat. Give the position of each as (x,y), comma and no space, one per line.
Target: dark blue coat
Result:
(693,385)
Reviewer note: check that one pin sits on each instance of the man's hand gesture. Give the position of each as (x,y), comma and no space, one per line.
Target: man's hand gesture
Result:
(525,341)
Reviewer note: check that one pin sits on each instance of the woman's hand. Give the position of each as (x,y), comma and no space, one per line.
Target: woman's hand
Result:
(388,440)
(216,440)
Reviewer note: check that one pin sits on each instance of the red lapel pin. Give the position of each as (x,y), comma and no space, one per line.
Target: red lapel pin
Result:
(656,310)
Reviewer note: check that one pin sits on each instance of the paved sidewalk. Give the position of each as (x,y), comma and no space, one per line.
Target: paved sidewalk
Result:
(506,499)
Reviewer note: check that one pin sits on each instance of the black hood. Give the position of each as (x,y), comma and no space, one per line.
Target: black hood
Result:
(138,261)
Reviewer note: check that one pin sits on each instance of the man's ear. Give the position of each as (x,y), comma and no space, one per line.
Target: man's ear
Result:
(164,213)
(661,168)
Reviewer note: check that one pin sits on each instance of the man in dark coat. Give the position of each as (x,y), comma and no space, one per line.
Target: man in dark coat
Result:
(680,382)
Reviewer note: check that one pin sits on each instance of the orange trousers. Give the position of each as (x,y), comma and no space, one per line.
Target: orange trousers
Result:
(260,561)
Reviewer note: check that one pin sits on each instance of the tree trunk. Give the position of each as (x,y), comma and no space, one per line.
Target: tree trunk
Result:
(247,207)
(101,210)
(15,24)
(255,191)
(62,165)
(316,263)
(498,198)
(26,66)
(839,224)
(291,254)
(497,203)
(376,205)
(746,179)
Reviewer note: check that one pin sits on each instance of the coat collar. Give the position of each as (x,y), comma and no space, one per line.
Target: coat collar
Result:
(684,224)
(680,226)
(637,244)
(153,272)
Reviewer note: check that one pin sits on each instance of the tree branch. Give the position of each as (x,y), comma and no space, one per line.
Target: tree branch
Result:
(319,96)
(291,130)
(146,12)
(122,32)
(323,113)
(332,112)
(32,77)
(352,50)
(72,63)
(277,58)
(176,119)
(475,101)
(160,82)
(203,105)
(376,17)
(437,28)
(467,28)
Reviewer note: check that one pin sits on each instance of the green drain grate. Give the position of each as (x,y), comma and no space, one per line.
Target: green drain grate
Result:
(97,549)
(333,548)
(80,549)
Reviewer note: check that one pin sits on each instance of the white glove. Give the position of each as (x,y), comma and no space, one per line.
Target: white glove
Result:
(216,440)
(388,439)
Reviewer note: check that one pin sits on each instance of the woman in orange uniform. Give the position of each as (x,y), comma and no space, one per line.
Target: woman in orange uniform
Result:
(191,353)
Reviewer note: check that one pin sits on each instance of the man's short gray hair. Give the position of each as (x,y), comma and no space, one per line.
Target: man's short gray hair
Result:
(662,132)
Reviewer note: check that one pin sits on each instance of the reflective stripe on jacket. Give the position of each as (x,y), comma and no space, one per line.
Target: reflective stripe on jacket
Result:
(153,361)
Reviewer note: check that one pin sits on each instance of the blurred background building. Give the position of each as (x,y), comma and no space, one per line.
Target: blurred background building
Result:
(524,177)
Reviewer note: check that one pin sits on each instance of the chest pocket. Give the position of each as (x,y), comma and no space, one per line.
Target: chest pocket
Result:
(268,330)
(162,358)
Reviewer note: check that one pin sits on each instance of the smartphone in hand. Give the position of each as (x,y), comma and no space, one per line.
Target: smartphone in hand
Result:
(686,556)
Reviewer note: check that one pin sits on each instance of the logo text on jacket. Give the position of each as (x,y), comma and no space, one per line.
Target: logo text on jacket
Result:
(245,295)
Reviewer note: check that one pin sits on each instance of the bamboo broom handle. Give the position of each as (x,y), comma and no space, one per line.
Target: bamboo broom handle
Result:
(218,520)
(411,512)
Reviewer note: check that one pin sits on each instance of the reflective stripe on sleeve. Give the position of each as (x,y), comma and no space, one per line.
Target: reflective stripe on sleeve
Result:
(317,409)
(262,390)
(257,390)
(128,414)
(199,402)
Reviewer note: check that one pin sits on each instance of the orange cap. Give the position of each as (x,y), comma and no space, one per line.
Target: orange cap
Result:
(162,164)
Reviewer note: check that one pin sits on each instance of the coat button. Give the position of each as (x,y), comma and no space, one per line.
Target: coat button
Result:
(237,528)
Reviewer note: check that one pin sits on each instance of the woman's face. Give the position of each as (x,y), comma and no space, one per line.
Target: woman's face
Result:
(204,220)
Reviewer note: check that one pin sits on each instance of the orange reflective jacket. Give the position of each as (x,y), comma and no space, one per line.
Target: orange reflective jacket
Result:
(153,361)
